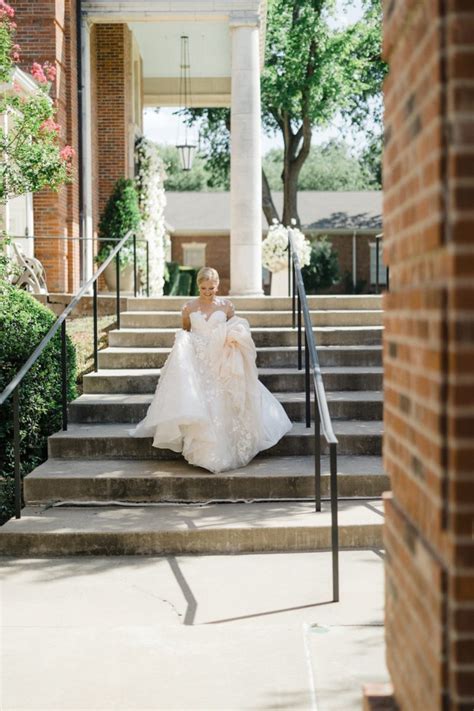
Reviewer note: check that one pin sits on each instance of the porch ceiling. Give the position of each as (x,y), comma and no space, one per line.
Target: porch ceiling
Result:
(157,26)
(209,49)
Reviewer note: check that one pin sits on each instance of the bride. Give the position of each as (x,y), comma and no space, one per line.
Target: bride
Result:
(209,403)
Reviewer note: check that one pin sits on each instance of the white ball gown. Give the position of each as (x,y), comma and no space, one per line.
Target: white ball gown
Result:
(209,403)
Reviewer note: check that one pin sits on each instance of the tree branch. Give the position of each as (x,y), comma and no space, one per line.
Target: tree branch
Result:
(268,206)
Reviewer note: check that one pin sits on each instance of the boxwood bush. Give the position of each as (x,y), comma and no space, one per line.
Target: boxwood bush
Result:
(323,270)
(23,323)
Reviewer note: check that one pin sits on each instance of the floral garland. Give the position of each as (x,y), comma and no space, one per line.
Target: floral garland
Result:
(275,247)
(152,199)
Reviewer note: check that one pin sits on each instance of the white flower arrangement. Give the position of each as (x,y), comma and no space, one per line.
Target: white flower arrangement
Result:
(150,180)
(275,247)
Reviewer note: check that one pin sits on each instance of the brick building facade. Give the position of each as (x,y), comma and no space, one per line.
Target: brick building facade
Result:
(429,352)
(47,31)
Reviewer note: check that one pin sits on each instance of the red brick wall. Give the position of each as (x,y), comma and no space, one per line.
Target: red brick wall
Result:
(217,254)
(112,78)
(46,31)
(429,351)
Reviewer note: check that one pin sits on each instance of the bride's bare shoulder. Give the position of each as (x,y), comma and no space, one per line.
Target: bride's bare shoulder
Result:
(189,306)
(228,306)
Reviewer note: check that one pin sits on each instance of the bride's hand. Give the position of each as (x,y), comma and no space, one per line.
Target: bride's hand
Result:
(185,316)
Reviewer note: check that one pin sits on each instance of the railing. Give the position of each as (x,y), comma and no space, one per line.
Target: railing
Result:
(136,240)
(322,419)
(14,385)
(378,239)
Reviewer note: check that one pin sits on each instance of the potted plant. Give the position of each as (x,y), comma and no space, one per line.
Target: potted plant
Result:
(121,214)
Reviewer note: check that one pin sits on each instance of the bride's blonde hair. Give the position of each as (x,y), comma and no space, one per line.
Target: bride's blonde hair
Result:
(207,273)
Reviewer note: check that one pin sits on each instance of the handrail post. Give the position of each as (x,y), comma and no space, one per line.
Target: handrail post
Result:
(299,331)
(306,381)
(317,455)
(334,527)
(134,265)
(96,339)
(117,284)
(16,449)
(147,268)
(293,297)
(377,264)
(64,374)
(289,264)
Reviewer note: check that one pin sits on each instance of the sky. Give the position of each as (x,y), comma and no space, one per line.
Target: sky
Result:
(163,126)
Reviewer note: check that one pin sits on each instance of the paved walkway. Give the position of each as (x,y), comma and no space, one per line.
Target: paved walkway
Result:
(191,632)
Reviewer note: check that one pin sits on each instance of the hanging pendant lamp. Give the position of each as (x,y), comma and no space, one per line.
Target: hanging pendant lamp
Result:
(185,148)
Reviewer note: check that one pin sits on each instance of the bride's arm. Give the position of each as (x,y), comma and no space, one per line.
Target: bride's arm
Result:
(186,321)
(229,309)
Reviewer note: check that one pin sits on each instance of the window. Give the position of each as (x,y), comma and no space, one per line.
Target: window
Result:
(382,268)
(194,254)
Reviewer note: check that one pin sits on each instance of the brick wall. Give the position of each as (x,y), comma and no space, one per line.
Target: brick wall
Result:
(217,254)
(112,80)
(46,31)
(429,351)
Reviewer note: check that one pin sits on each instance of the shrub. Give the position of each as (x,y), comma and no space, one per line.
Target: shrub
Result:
(23,323)
(323,268)
(120,215)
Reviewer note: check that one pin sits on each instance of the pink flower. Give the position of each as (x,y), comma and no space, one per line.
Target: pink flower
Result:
(16,87)
(6,10)
(38,73)
(67,153)
(50,71)
(50,125)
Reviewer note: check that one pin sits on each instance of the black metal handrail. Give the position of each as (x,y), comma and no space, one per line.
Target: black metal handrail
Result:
(13,386)
(322,418)
(378,239)
(136,240)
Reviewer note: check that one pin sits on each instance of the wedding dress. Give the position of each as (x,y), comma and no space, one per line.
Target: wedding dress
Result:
(209,403)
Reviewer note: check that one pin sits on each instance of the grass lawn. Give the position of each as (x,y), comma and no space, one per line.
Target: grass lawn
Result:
(80,331)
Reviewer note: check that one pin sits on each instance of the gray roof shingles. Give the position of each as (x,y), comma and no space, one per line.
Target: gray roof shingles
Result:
(210,211)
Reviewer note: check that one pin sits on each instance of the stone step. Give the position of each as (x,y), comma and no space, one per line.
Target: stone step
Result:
(175,529)
(120,407)
(142,357)
(262,303)
(113,441)
(285,336)
(137,380)
(344,317)
(176,480)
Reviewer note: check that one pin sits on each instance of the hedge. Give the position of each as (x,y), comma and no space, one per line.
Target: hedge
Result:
(23,324)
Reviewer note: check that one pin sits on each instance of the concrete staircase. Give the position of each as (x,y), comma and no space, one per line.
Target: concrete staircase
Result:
(103,492)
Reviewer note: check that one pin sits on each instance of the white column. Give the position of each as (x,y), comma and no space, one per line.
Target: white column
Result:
(246,168)
(87,223)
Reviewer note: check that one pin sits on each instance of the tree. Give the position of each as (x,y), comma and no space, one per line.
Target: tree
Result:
(31,155)
(329,166)
(312,73)
(198,178)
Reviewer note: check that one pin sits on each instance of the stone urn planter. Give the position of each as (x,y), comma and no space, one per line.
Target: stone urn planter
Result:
(126,277)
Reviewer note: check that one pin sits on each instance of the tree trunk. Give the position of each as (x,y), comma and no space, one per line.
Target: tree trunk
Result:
(290,195)
(296,150)
(269,209)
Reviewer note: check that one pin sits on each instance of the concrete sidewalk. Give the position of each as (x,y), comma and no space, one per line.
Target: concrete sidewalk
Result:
(249,631)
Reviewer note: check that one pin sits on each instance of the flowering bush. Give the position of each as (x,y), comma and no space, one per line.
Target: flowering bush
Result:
(31,155)
(152,199)
(275,247)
